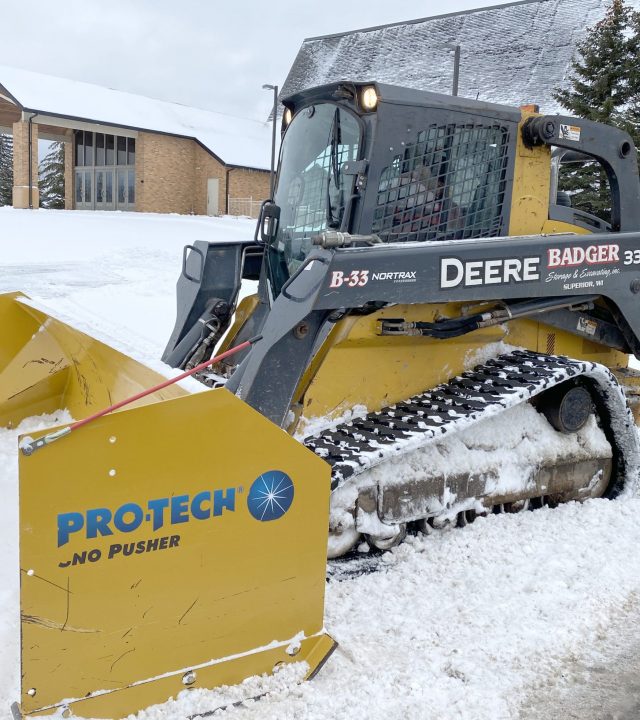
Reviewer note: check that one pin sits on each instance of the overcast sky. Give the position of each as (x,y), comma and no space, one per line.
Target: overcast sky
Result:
(204,53)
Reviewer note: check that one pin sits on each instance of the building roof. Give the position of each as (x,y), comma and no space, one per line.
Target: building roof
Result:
(513,54)
(235,141)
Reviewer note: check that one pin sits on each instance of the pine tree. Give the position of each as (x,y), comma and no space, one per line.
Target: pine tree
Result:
(51,178)
(602,89)
(6,170)
(630,116)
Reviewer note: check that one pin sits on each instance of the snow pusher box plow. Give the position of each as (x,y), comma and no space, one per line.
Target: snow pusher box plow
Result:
(157,553)
(436,333)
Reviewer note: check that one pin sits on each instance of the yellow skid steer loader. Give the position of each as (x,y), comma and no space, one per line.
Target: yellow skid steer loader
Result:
(422,286)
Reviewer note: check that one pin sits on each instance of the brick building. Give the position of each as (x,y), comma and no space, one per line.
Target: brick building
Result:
(129,152)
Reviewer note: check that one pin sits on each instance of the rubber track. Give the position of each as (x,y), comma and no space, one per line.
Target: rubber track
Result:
(355,446)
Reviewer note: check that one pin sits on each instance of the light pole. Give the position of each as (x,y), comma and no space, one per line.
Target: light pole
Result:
(273,136)
(456,66)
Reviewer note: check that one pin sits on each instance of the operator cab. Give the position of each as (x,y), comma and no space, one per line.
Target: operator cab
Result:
(408,165)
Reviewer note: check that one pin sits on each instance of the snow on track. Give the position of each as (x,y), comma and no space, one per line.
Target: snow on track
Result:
(459,625)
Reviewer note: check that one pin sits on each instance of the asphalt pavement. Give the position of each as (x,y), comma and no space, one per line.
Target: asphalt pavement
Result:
(601,685)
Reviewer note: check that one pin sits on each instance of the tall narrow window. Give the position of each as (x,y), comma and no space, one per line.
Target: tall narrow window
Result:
(79,143)
(88,148)
(87,187)
(109,186)
(132,187)
(109,145)
(99,187)
(122,151)
(99,149)
(122,197)
(131,151)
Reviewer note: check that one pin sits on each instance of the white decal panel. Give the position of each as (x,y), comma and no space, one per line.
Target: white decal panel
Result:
(501,271)
(359,278)
(356,278)
(578,267)
(570,132)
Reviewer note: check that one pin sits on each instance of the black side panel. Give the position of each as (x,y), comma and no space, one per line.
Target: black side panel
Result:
(209,270)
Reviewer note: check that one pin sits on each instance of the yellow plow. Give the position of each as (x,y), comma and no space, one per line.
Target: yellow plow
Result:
(168,546)
(46,365)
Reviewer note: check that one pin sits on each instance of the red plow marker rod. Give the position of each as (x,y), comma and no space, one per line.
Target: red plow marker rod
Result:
(28,446)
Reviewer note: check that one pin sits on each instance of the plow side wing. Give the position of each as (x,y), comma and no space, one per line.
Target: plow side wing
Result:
(46,365)
(187,536)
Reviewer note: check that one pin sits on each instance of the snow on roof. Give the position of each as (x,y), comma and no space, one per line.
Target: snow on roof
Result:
(511,54)
(235,140)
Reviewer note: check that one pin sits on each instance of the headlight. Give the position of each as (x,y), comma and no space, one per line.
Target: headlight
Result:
(369,98)
(286,116)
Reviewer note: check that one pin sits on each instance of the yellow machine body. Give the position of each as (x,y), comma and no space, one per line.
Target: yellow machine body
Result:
(46,365)
(158,554)
(358,366)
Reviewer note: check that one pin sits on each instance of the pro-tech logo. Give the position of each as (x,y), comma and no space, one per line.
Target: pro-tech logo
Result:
(270,496)
(139,528)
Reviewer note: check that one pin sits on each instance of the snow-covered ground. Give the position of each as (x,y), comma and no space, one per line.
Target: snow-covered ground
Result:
(470,624)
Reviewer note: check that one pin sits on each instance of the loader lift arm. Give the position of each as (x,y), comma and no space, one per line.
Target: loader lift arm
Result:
(493,269)
(611,147)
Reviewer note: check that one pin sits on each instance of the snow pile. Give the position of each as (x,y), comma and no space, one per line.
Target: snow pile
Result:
(309,427)
(190,703)
(508,447)
(461,624)
(481,355)
(109,274)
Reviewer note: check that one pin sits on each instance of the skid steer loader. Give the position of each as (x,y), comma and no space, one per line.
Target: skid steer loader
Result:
(436,333)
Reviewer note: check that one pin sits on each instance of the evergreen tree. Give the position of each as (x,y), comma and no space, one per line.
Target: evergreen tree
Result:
(602,89)
(630,116)
(6,170)
(51,178)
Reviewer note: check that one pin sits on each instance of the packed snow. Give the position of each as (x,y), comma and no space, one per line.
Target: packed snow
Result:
(516,441)
(467,624)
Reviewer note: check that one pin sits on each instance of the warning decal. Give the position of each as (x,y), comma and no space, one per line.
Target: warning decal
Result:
(570,132)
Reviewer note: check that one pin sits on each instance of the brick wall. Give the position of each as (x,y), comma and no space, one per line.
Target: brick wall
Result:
(244,183)
(165,179)
(206,166)
(172,175)
(21,165)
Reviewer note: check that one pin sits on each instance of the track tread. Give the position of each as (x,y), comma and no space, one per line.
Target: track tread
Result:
(354,446)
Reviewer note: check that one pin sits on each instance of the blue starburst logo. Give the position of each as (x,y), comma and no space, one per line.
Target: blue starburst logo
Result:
(270,496)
